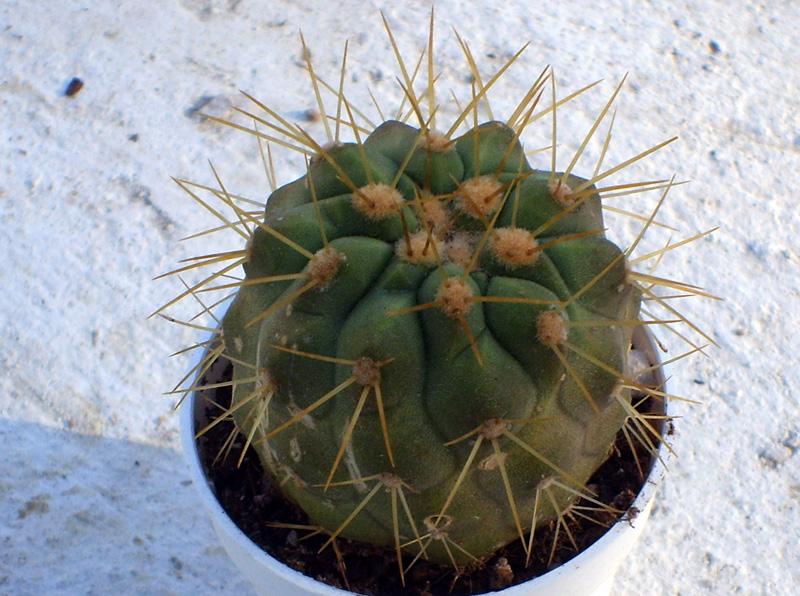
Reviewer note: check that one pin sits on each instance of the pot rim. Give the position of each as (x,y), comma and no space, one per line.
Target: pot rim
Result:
(643,501)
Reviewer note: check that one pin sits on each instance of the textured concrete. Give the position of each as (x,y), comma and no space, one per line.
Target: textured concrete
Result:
(94,496)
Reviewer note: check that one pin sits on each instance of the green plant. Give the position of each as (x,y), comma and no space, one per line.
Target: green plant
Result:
(431,340)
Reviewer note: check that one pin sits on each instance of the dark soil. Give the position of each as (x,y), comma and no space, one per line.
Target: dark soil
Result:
(253,503)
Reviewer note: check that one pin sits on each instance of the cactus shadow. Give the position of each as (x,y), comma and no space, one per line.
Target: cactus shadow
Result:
(91,515)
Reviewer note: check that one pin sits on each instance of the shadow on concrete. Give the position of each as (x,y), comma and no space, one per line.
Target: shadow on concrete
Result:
(86,515)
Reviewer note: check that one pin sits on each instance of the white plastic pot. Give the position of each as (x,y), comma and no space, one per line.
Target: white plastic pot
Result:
(591,573)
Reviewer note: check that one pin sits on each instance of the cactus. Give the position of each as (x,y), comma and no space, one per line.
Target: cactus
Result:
(431,338)
(430,344)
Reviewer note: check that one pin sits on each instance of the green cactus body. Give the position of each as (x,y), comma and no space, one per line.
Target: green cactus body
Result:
(422,349)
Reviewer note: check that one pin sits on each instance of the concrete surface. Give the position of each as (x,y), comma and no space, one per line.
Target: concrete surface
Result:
(94,495)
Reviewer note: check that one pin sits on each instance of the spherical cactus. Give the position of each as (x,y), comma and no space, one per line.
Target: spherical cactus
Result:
(431,318)
(430,345)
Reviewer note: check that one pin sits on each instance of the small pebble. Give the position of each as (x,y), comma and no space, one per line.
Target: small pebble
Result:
(74,87)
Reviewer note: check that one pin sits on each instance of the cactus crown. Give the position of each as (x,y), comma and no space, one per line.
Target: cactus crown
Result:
(431,339)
